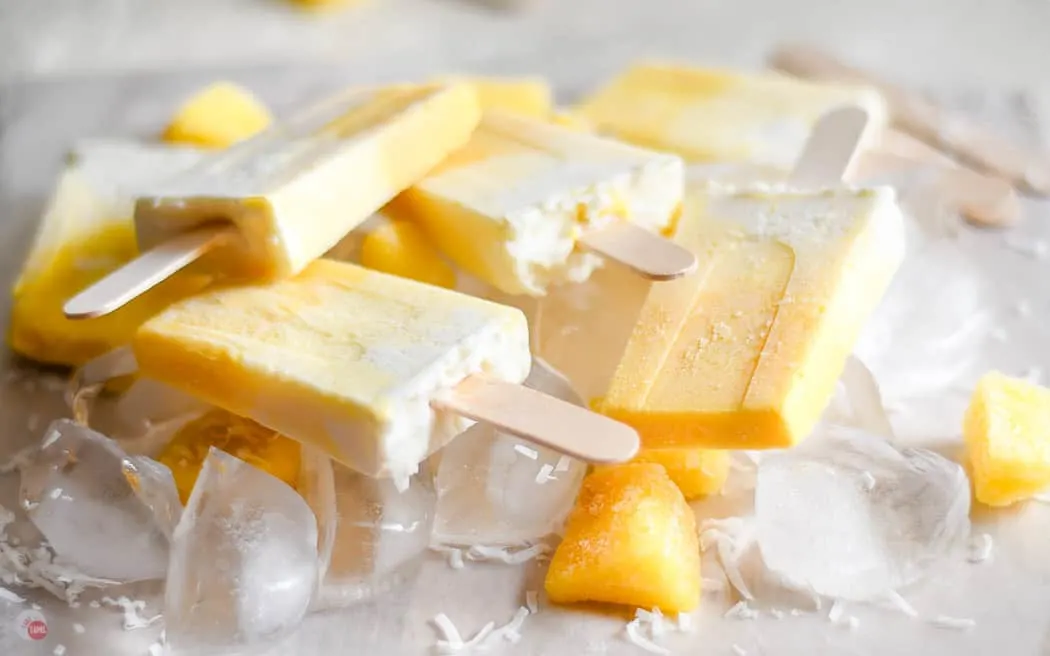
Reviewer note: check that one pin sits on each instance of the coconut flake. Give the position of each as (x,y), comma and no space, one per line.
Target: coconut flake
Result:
(449,633)
(685,623)
(852,622)
(60,650)
(562,464)
(531,454)
(133,618)
(634,634)
(481,552)
(954,623)
(741,611)
(510,632)
(78,628)
(739,651)
(980,548)
(835,613)
(544,474)
(532,601)
(896,601)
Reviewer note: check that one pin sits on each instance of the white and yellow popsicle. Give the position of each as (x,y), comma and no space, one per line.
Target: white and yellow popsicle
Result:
(746,352)
(526,204)
(86,233)
(265,208)
(376,370)
(721,115)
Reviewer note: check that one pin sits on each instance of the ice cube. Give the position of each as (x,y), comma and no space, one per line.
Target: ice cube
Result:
(928,332)
(109,514)
(496,489)
(243,560)
(848,515)
(372,534)
(140,414)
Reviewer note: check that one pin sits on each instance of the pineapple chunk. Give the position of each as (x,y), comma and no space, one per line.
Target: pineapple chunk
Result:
(631,539)
(258,446)
(1007,441)
(218,116)
(402,249)
(696,472)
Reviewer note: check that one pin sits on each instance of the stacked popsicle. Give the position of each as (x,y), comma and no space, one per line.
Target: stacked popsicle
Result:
(755,292)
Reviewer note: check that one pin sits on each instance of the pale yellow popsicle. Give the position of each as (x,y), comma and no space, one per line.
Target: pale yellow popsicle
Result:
(745,353)
(709,114)
(85,233)
(510,206)
(339,356)
(295,190)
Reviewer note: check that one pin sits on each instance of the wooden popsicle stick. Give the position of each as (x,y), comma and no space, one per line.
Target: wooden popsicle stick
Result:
(647,254)
(964,138)
(983,200)
(146,271)
(831,148)
(545,420)
(902,144)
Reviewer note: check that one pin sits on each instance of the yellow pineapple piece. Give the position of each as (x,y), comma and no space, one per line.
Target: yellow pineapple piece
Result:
(1007,439)
(403,249)
(696,472)
(631,539)
(218,116)
(258,446)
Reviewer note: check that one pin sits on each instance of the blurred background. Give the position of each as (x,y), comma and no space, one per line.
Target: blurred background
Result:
(956,43)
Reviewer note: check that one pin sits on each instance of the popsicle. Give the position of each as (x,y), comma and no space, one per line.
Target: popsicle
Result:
(746,352)
(523,203)
(710,114)
(85,233)
(267,207)
(376,370)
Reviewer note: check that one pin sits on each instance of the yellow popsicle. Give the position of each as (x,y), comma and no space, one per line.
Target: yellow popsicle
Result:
(86,232)
(745,353)
(710,114)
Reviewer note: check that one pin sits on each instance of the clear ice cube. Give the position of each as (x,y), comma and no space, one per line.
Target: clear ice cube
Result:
(109,514)
(373,534)
(498,489)
(243,560)
(848,515)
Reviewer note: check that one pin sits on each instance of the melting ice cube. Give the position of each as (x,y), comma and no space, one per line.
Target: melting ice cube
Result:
(243,560)
(372,534)
(496,489)
(107,513)
(848,515)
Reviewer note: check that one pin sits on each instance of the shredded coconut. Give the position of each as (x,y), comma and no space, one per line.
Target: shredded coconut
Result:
(59,650)
(532,601)
(544,474)
(531,454)
(510,632)
(133,618)
(741,611)
(562,464)
(685,623)
(449,633)
(480,552)
(634,634)
(835,613)
(156,649)
(739,651)
(852,622)
(78,628)
(980,548)
(956,623)
(7,595)
(896,601)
